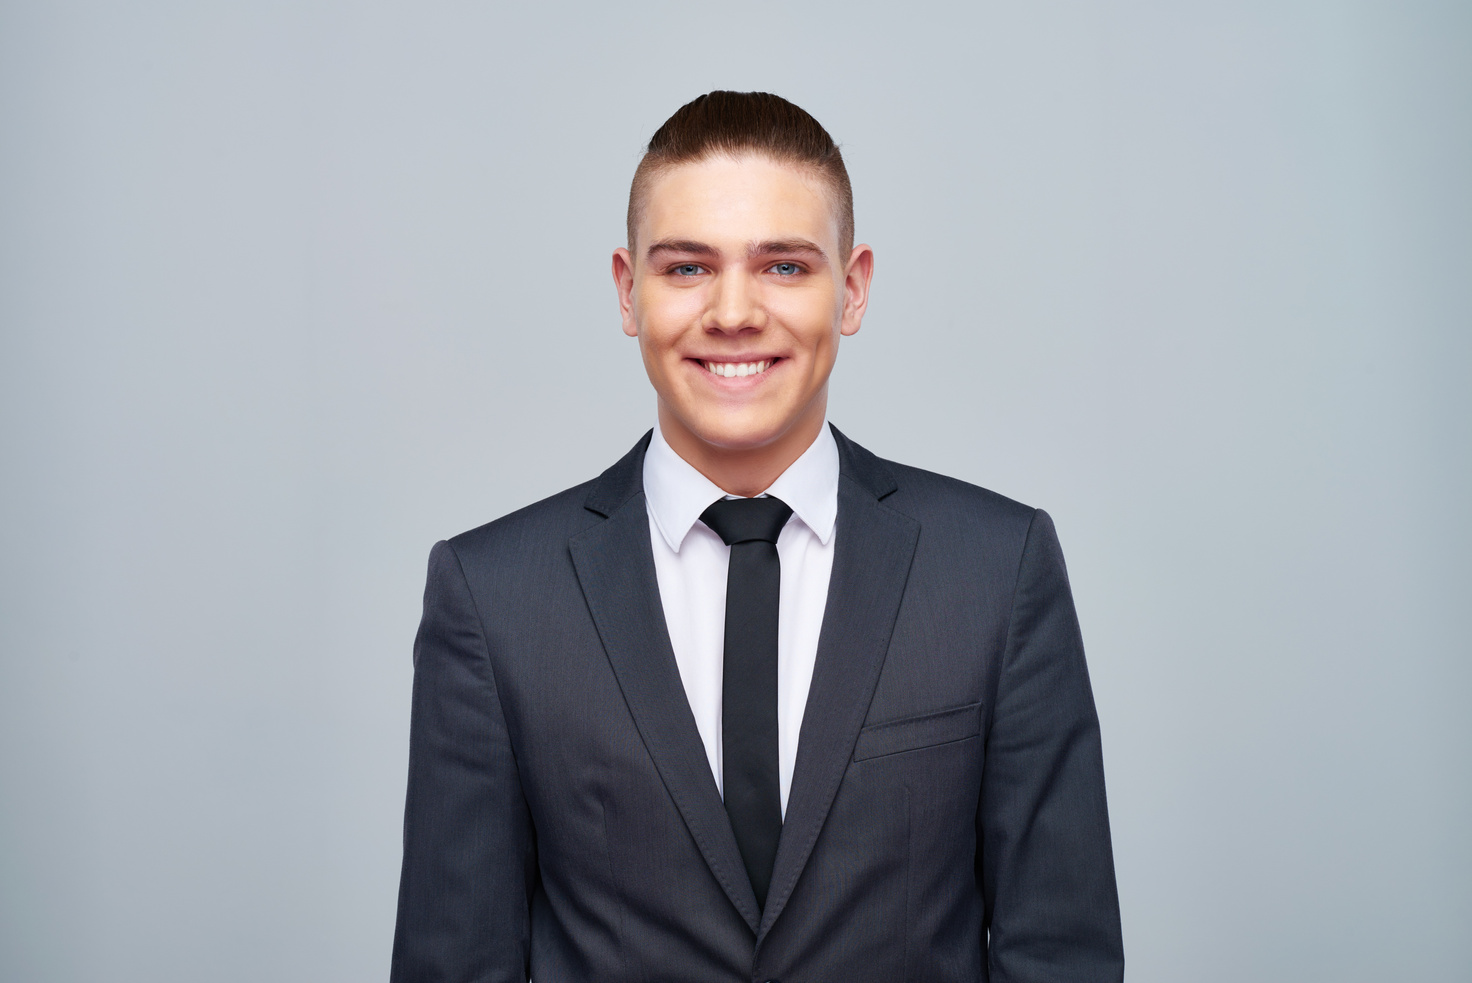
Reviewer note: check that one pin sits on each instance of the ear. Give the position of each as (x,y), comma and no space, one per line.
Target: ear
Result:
(623,280)
(856,287)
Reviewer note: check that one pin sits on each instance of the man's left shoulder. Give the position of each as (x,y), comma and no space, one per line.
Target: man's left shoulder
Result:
(932,499)
(959,512)
(928,494)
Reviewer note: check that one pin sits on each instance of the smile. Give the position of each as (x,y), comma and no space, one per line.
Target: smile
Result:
(731,370)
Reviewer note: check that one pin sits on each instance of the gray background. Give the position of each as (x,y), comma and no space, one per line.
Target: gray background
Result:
(290,290)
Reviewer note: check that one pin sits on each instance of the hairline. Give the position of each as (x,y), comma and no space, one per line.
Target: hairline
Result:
(651,167)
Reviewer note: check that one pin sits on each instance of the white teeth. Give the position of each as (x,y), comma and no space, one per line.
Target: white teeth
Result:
(731,370)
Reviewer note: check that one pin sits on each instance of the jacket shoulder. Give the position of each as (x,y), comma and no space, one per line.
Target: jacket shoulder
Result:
(968,534)
(533,537)
(530,529)
(927,497)
(934,500)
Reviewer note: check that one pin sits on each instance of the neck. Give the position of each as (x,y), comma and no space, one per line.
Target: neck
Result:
(744,471)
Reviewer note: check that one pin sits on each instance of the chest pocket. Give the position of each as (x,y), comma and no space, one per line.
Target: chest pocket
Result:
(922,731)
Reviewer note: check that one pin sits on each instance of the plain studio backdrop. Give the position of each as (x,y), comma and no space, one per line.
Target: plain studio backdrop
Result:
(289,291)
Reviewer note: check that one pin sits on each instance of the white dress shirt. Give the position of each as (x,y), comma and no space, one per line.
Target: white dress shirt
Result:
(691,562)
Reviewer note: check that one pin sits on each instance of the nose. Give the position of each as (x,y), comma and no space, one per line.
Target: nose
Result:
(734,305)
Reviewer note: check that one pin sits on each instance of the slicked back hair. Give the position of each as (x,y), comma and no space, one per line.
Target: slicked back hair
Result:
(736,123)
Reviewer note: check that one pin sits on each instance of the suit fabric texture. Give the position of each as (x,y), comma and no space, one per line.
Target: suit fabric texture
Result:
(946,820)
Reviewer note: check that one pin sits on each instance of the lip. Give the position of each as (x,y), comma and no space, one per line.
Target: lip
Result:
(736,383)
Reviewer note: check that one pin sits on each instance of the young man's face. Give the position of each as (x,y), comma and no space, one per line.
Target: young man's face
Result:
(738,297)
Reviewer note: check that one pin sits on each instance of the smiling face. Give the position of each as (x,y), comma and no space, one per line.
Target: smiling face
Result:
(738,297)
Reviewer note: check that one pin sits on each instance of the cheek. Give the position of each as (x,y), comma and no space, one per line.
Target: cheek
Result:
(812,303)
(668,313)
(811,318)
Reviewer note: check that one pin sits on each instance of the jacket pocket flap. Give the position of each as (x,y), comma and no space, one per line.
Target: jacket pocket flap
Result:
(914,733)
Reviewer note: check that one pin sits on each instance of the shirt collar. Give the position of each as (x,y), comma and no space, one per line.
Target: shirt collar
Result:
(678,494)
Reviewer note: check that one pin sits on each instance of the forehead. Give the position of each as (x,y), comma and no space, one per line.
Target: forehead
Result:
(738,200)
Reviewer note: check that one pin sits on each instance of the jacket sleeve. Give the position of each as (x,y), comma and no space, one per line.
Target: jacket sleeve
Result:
(1046,865)
(469,855)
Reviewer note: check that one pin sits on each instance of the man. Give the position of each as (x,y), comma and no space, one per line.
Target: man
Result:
(754,704)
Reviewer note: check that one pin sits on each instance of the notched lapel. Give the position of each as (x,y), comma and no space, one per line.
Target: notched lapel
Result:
(615,567)
(871,564)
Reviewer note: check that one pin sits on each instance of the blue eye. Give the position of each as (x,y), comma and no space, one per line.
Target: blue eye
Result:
(786,269)
(687,269)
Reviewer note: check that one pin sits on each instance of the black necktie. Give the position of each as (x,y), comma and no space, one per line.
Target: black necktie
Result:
(750,526)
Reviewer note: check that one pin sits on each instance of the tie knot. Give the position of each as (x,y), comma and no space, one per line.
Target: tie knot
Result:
(742,520)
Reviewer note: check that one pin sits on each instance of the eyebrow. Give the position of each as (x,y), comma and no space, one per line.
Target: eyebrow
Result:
(680,246)
(693,248)
(785,246)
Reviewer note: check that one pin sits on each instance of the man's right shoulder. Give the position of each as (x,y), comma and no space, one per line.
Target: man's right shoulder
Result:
(531,529)
(533,537)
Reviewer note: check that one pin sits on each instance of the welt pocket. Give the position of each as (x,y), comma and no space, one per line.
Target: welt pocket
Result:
(921,731)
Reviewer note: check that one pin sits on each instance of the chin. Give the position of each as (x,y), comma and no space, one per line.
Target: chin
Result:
(741,434)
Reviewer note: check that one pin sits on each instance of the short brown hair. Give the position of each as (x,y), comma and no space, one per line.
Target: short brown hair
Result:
(734,123)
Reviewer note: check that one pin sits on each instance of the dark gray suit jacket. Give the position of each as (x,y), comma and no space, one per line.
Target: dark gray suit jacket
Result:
(946,820)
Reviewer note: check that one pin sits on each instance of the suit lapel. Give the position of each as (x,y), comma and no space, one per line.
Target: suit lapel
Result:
(615,567)
(871,563)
